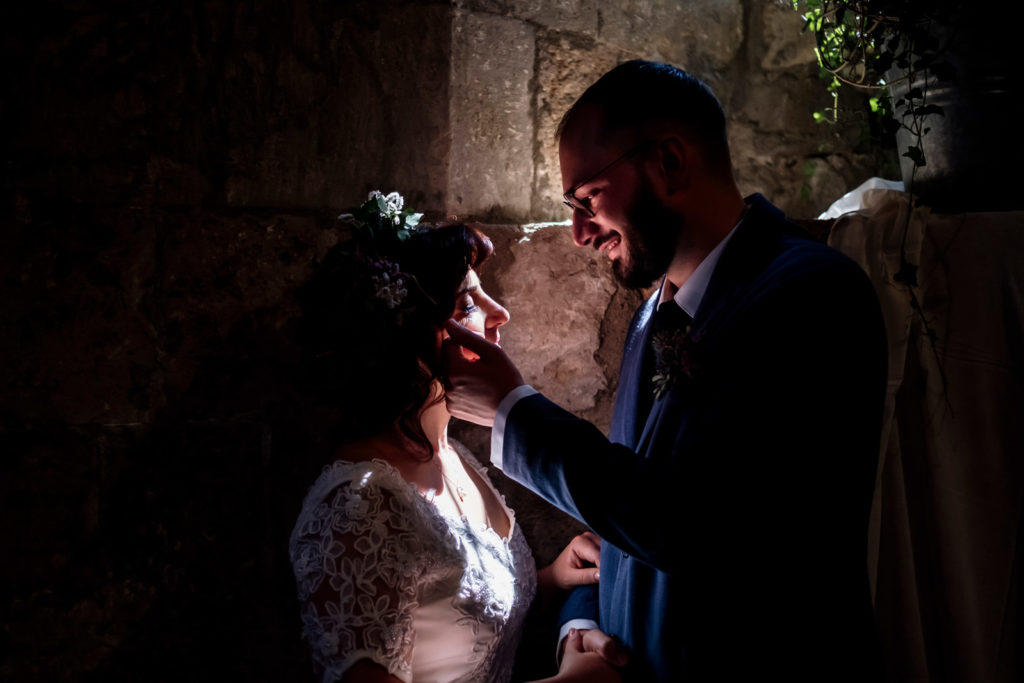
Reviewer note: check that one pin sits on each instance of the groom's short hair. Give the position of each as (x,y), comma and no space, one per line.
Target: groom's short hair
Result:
(638,94)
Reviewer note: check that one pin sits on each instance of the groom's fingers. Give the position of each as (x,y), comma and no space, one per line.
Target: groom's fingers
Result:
(587,547)
(475,385)
(581,576)
(469,340)
(462,390)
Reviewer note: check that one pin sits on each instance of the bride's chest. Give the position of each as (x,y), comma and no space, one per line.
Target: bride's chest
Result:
(481,575)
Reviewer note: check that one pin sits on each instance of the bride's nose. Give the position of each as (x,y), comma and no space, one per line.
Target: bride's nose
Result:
(497,316)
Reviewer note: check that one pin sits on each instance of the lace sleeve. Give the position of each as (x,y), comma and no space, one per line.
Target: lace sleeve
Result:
(358,558)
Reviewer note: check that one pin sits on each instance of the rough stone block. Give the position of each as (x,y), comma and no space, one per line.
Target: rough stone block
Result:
(582,16)
(491,163)
(222,308)
(371,113)
(697,32)
(782,42)
(558,296)
(566,66)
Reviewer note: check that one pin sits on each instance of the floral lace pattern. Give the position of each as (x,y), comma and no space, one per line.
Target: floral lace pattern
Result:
(383,575)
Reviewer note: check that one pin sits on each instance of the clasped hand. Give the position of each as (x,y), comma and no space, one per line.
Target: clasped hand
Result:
(587,654)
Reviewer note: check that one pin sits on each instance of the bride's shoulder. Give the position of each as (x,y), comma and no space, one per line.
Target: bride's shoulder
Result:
(358,479)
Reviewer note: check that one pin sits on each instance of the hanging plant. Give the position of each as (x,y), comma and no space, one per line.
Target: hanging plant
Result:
(892,49)
(884,47)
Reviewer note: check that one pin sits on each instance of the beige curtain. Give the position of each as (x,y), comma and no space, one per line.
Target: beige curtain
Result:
(946,534)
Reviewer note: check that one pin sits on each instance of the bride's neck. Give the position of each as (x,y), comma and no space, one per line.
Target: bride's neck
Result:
(434,420)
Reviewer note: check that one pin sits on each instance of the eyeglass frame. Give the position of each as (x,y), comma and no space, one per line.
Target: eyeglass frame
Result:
(569,197)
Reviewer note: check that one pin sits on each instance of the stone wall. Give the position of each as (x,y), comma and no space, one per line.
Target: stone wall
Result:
(171,172)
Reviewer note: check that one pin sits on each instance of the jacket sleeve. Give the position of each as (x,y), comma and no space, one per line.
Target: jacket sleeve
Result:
(776,445)
(581,604)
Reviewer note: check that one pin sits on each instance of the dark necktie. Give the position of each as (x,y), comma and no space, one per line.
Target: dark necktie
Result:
(669,316)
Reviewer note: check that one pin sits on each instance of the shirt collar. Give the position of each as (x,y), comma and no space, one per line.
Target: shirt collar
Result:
(691,293)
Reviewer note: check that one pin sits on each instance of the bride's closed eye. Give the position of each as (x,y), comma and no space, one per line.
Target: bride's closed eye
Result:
(465,305)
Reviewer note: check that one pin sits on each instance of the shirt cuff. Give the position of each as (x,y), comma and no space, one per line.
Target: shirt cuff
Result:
(498,429)
(578,624)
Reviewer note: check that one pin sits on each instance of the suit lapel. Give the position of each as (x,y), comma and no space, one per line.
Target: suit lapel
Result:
(748,253)
(746,256)
(631,381)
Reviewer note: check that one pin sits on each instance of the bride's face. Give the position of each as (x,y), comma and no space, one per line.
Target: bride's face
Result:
(477,311)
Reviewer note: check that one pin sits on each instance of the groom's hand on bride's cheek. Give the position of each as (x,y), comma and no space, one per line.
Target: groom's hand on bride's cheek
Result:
(475,388)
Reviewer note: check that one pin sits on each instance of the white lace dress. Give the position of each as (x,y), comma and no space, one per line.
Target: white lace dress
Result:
(383,575)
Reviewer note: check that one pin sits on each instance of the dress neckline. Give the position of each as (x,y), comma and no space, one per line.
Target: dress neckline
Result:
(394,473)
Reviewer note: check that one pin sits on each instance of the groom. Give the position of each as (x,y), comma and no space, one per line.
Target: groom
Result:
(733,493)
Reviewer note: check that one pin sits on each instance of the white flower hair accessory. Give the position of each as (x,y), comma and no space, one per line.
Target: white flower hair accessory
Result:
(377,225)
(381,214)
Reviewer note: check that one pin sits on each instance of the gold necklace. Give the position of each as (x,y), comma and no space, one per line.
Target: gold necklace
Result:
(459,491)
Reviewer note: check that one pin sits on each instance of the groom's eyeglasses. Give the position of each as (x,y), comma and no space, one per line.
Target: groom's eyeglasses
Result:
(575,203)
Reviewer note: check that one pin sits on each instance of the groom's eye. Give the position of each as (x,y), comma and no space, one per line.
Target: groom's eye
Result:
(588,201)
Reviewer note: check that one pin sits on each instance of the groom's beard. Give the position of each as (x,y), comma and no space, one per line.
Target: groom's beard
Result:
(650,235)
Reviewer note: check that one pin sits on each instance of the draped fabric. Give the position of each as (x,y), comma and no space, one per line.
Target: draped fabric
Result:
(946,532)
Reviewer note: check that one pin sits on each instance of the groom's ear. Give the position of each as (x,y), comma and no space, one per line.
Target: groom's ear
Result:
(675,157)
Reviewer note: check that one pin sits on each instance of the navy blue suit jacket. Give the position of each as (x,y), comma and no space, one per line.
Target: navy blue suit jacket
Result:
(734,517)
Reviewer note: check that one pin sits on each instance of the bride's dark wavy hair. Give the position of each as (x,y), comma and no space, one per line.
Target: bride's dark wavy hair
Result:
(371,365)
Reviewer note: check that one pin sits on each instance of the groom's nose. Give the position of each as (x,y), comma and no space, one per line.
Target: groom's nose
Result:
(583,228)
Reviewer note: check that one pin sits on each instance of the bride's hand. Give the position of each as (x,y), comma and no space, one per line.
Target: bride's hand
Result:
(577,565)
(591,656)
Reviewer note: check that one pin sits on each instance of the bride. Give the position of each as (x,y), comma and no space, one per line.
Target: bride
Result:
(409,565)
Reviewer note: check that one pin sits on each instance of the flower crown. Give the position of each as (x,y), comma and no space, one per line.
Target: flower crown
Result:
(378,223)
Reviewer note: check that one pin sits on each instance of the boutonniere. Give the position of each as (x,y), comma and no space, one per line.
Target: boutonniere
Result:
(675,356)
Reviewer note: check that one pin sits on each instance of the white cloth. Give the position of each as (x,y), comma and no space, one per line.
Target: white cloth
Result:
(383,575)
(945,556)
(857,199)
